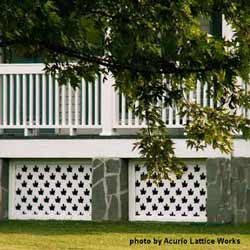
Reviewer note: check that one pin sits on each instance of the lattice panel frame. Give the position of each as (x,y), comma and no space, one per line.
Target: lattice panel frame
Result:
(184,200)
(52,189)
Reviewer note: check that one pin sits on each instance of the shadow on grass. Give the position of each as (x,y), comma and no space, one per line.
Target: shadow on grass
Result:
(87,228)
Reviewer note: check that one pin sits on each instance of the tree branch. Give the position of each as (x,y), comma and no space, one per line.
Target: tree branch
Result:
(162,67)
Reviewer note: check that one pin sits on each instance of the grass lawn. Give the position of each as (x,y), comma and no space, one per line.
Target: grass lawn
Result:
(52,235)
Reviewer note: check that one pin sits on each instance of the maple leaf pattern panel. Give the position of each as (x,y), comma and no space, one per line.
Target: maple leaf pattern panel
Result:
(53,191)
(183,199)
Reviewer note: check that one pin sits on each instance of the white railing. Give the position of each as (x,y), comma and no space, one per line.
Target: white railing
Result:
(170,115)
(124,117)
(32,100)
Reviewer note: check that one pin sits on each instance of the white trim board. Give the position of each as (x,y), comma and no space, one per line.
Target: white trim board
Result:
(12,188)
(89,148)
(241,148)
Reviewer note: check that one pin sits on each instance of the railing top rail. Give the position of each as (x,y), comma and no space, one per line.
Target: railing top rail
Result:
(27,68)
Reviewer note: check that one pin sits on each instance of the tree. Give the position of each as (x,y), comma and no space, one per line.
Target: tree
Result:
(155,50)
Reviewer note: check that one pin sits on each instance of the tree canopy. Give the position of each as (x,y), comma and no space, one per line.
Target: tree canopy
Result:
(156,51)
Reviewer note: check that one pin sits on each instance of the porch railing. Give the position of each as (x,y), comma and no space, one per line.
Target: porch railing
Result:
(31,100)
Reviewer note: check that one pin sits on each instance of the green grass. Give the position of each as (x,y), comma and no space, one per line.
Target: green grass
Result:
(52,235)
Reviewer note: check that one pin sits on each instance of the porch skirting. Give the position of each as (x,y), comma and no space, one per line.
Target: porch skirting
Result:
(213,190)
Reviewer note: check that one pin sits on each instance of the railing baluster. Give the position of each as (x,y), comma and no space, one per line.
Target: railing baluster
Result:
(96,101)
(50,83)
(129,117)
(31,95)
(11,86)
(177,117)
(184,118)
(24,100)
(136,117)
(44,100)
(37,111)
(83,102)
(18,109)
(56,103)
(123,122)
(211,100)
(198,92)
(163,111)
(90,91)
(5,103)
(205,95)
(244,86)
(76,106)
(69,105)
(63,105)
(24,81)
(116,107)
(170,116)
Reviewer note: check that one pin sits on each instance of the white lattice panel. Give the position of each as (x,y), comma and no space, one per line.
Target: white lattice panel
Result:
(50,190)
(184,199)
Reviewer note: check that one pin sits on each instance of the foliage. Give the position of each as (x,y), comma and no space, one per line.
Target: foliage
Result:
(155,50)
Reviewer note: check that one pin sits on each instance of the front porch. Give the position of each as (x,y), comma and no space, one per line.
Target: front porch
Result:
(32,103)
(49,131)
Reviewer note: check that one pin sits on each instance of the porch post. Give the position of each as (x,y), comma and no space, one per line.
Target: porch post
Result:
(107,105)
(227,31)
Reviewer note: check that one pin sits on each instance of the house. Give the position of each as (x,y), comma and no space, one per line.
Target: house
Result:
(67,154)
